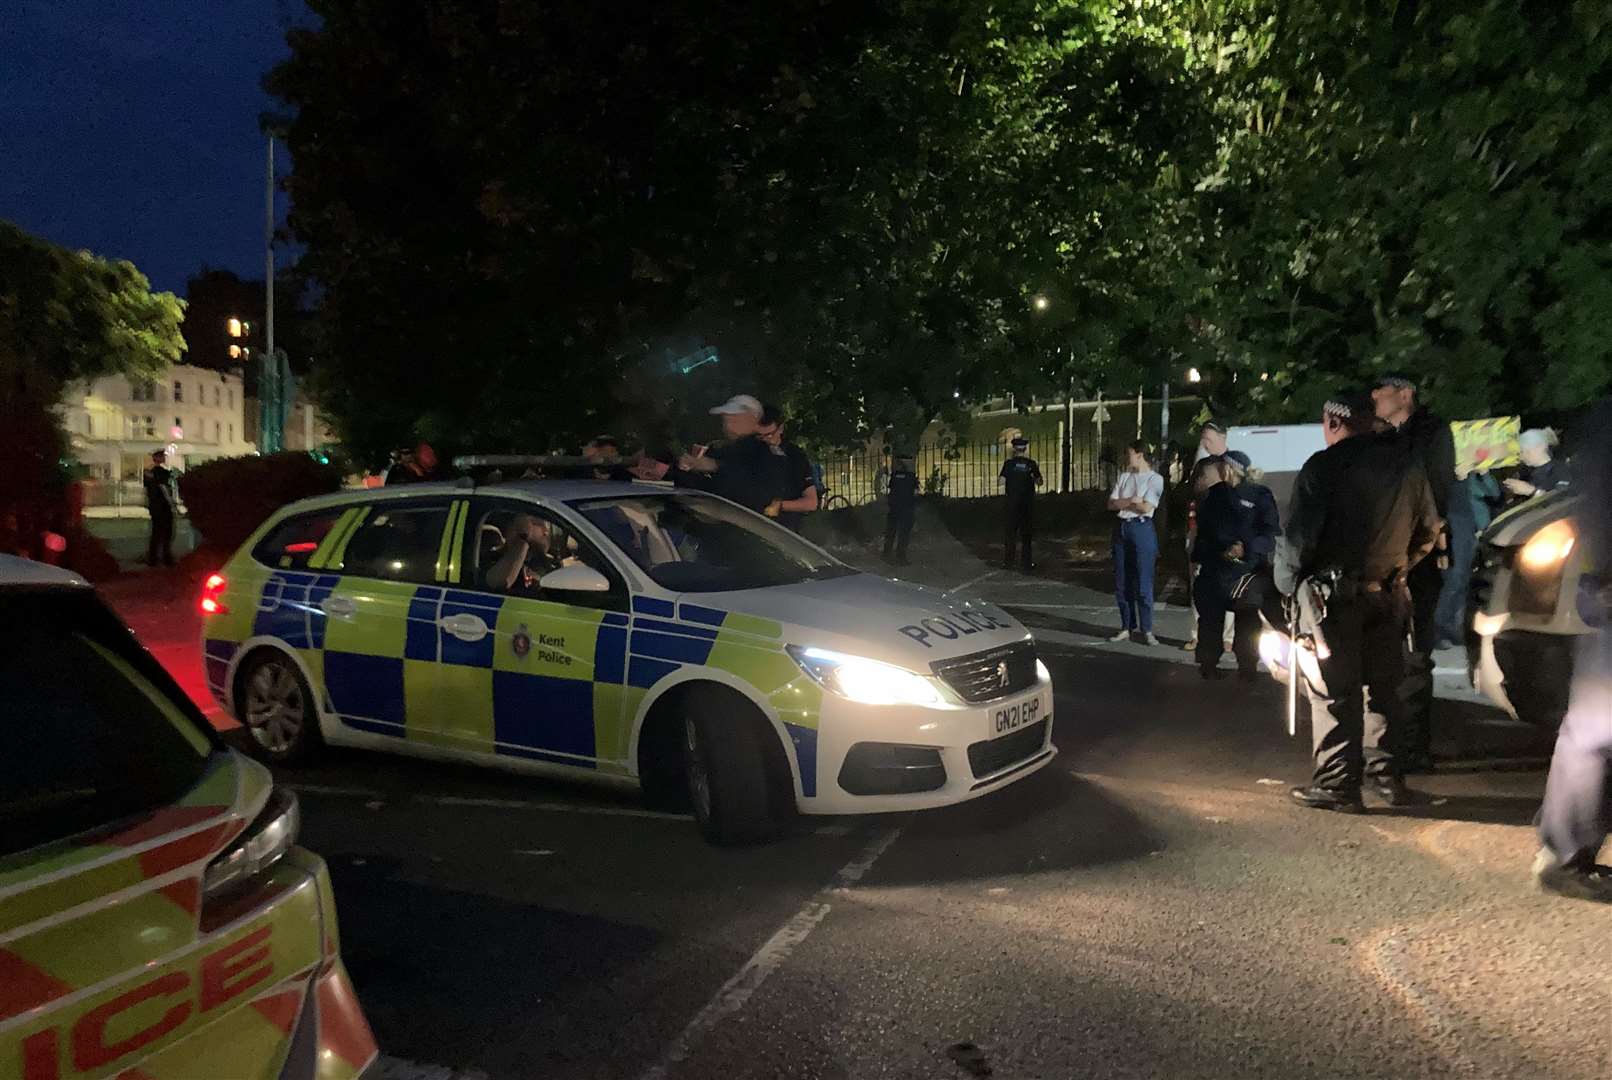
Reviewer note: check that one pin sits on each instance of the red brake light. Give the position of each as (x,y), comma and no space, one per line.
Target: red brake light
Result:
(212,589)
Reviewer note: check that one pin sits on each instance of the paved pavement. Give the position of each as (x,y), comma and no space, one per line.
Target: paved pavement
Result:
(1148,905)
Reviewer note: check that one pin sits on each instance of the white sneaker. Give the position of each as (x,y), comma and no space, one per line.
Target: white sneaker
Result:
(1122,635)
(1150,639)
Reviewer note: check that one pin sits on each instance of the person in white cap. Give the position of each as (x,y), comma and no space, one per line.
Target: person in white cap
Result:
(1542,473)
(744,469)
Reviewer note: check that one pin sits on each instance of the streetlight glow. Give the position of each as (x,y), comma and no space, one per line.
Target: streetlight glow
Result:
(1041,303)
(1194,376)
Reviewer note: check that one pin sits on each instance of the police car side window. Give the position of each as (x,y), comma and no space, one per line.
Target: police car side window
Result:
(397,542)
(292,543)
(550,544)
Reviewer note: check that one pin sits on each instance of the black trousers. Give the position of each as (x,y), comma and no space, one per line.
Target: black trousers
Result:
(1356,717)
(898,531)
(1212,604)
(162,539)
(1018,529)
(1426,583)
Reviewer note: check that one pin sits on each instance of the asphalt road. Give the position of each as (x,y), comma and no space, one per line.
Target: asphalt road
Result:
(1148,905)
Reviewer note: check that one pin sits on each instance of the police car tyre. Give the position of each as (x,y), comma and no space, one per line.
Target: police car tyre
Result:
(276,706)
(1538,672)
(730,772)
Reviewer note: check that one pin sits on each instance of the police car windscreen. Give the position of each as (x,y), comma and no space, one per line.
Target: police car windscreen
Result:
(691,543)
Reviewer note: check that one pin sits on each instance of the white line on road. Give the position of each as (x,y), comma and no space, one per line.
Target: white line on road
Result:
(769,958)
(391,1068)
(971,582)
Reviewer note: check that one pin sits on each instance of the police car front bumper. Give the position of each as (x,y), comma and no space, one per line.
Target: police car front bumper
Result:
(881,758)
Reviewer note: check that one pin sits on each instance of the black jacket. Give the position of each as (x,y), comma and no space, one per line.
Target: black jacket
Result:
(1433,443)
(1362,506)
(903,493)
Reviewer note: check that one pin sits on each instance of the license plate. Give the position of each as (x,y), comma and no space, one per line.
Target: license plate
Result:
(1020,714)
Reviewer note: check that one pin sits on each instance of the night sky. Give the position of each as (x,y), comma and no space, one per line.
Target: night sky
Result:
(130,127)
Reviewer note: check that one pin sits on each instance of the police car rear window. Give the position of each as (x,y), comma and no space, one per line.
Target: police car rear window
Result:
(89,738)
(293,542)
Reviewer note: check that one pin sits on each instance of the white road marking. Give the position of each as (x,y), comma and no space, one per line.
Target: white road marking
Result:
(391,1068)
(970,583)
(769,958)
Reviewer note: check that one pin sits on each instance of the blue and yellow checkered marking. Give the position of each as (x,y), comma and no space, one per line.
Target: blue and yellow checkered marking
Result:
(288,608)
(571,698)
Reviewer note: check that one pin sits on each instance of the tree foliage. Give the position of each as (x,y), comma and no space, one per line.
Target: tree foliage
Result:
(515,214)
(66,316)
(1413,185)
(508,209)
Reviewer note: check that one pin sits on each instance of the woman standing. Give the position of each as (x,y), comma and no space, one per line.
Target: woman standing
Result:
(1136,495)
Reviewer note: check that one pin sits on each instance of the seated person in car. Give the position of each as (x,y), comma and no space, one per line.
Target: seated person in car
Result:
(528,554)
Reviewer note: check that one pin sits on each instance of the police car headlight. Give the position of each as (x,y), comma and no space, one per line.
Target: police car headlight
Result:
(869,682)
(1548,548)
(259,847)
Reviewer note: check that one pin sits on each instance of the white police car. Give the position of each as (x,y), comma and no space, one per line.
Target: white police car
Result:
(627,631)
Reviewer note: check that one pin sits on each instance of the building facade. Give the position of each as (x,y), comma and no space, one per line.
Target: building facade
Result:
(116,422)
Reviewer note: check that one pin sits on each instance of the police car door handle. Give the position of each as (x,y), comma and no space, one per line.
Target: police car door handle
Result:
(338,607)
(464,627)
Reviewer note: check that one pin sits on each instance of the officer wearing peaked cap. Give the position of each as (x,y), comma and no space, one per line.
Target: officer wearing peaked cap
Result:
(1429,438)
(1020,477)
(1361,518)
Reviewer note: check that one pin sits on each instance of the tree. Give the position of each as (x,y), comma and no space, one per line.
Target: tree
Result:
(1417,186)
(66,316)
(505,209)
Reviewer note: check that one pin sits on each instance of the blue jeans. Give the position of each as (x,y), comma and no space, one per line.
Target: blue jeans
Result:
(1136,549)
(1452,601)
(1577,814)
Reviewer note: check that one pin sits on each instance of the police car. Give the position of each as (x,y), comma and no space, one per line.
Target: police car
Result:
(631,632)
(157,919)
(1525,611)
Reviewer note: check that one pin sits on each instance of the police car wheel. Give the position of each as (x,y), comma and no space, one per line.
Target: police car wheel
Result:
(729,775)
(277,710)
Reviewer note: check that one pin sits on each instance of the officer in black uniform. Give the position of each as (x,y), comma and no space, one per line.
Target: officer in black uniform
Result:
(1362,517)
(902,503)
(1020,476)
(1236,537)
(159,485)
(1433,443)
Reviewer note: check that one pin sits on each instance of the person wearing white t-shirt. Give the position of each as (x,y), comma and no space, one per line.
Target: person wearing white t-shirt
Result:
(1136,495)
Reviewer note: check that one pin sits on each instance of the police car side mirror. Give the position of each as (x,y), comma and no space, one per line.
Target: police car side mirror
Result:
(576,578)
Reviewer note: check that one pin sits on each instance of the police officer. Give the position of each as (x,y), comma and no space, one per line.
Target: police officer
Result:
(902,504)
(159,485)
(1362,517)
(1020,476)
(1237,529)
(1577,815)
(1429,438)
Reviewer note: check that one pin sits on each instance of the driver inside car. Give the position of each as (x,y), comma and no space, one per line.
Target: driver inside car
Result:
(527,555)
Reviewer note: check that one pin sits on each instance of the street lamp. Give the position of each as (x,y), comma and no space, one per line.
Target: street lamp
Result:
(236,328)
(1194,375)
(1041,303)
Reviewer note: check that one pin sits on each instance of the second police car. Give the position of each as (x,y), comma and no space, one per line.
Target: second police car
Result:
(632,632)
